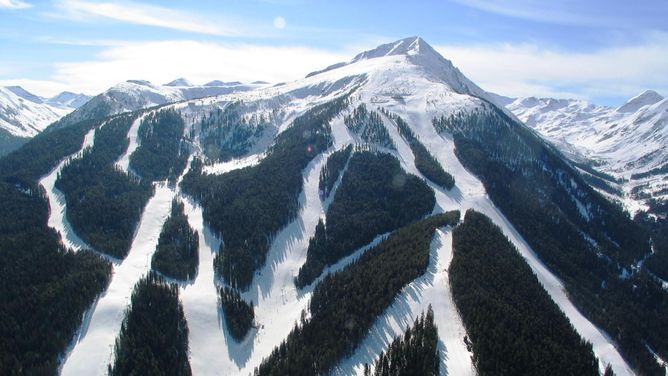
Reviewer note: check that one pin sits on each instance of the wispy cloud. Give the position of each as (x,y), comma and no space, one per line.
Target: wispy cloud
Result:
(150,15)
(559,12)
(14,4)
(200,62)
(532,70)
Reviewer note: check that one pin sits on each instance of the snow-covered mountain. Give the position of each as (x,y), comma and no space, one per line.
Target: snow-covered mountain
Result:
(23,114)
(257,156)
(627,143)
(133,95)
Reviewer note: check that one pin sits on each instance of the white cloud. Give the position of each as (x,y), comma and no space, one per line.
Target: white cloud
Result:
(279,22)
(14,4)
(200,62)
(532,70)
(150,15)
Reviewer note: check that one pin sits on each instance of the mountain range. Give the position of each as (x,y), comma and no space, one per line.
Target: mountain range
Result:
(383,215)
(626,144)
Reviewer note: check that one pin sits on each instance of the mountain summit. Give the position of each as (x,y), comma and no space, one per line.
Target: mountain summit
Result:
(646,98)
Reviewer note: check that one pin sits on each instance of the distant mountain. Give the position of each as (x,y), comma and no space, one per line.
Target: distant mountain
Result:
(222,83)
(627,144)
(134,95)
(23,114)
(68,99)
(179,82)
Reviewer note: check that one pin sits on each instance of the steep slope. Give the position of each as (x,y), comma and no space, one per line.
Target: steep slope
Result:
(627,144)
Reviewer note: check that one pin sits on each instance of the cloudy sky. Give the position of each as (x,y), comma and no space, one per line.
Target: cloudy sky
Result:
(603,51)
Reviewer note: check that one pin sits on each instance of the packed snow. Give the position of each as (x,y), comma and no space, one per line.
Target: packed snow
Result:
(123,162)
(94,346)
(57,205)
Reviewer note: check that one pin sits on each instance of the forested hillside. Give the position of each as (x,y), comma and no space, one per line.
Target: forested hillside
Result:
(44,288)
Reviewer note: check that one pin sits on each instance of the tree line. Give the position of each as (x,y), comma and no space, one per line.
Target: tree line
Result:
(414,353)
(177,253)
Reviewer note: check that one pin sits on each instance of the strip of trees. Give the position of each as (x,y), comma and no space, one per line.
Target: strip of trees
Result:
(239,314)
(376,196)
(161,154)
(513,326)
(176,255)
(154,334)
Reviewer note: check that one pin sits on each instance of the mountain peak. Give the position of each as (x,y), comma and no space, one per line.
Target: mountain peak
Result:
(180,82)
(647,97)
(25,94)
(408,46)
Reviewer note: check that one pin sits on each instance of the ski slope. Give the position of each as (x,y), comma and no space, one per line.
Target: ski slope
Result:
(57,206)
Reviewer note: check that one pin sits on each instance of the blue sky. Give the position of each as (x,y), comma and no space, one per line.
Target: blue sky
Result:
(603,51)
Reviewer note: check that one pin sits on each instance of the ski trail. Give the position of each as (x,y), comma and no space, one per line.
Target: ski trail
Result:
(123,161)
(278,303)
(57,205)
(200,304)
(432,288)
(94,348)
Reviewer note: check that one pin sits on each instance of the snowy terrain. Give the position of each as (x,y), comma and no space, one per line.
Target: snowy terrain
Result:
(23,114)
(620,141)
(407,78)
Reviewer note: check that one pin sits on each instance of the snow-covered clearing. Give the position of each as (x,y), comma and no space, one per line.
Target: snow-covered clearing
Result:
(234,164)
(57,206)
(123,161)
(94,348)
